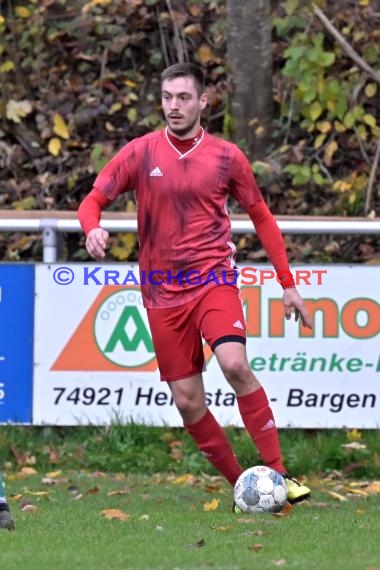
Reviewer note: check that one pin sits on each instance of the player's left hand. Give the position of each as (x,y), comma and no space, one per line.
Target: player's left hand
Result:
(293,300)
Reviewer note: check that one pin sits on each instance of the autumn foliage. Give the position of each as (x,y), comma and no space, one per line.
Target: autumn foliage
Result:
(80,78)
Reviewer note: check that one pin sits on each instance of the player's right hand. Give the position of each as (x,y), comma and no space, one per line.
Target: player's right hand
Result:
(96,242)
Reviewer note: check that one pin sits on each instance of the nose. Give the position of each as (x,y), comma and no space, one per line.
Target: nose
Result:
(173,103)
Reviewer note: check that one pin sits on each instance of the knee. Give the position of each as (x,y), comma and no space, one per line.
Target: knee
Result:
(189,408)
(237,371)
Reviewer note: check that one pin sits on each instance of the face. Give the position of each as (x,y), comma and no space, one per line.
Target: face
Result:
(182,106)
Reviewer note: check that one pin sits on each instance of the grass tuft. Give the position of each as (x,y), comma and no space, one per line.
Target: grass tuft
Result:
(135,448)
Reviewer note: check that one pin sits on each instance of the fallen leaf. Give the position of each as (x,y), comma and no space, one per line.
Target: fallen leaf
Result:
(115,514)
(320,139)
(221,528)
(246,520)
(315,110)
(354,435)
(115,107)
(120,492)
(22,11)
(356,484)
(28,507)
(176,443)
(109,126)
(255,547)
(54,146)
(324,126)
(119,477)
(27,472)
(212,505)
(212,488)
(59,126)
(50,481)
(8,65)
(197,544)
(373,488)
(92,491)
(17,110)
(205,53)
(280,562)
(194,10)
(14,497)
(333,475)
(27,203)
(354,445)
(357,492)
(20,456)
(53,474)
(192,30)
(184,479)
(144,518)
(261,532)
(337,496)
(369,120)
(53,455)
(287,508)
(176,454)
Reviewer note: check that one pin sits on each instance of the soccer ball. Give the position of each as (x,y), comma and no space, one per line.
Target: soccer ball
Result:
(260,489)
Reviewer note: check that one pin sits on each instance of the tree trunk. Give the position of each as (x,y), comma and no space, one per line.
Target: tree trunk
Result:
(249,57)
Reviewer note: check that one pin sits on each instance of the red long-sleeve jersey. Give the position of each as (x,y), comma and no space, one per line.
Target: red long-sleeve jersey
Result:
(183,221)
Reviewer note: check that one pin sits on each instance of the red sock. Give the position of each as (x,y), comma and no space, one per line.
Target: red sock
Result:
(258,419)
(213,443)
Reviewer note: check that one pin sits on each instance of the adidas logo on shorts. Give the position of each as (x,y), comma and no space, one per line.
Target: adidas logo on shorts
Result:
(238,325)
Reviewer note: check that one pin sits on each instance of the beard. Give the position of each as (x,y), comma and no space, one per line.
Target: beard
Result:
(184,130)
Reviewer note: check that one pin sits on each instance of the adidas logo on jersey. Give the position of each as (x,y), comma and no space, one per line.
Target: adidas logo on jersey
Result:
(156,172)
(238,325)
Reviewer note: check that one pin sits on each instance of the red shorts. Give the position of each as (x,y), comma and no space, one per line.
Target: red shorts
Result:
(177,332)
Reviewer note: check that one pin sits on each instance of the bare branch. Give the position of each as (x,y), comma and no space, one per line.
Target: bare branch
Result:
(361,146)
(324,169)
(372,178)
(103,65)
(345,45)
(289,121)
(162,38)
(177,38)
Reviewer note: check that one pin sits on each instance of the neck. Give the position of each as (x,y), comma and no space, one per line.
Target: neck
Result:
(184,145)
(189,135)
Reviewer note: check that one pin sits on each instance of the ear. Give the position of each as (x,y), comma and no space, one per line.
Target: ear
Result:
(203,100)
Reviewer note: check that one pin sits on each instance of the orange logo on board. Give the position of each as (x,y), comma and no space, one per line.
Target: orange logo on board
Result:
(113,336)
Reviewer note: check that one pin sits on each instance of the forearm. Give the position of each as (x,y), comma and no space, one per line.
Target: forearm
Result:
(272,240)
(90,210)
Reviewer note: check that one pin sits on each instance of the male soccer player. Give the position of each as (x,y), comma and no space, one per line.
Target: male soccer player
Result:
(181,177)
(6,520)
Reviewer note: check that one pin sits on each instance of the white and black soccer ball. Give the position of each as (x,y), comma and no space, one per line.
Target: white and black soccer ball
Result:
(260,489)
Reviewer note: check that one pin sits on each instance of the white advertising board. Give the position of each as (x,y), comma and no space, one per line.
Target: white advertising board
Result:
(95,362)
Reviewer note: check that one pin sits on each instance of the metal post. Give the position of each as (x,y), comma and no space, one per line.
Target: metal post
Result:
(49,240)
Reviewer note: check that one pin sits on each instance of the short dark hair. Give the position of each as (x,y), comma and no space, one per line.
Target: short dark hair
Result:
(186,70)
